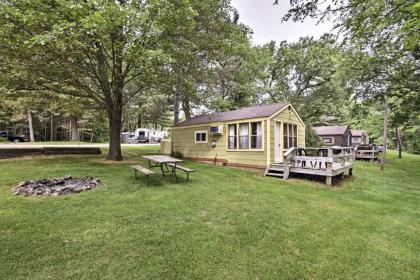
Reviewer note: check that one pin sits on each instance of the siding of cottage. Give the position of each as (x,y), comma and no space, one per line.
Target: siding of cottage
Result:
(285,116)
(183,139)
(184,142)
(339,140)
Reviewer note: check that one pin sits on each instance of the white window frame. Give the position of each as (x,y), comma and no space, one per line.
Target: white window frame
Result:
(249,136)
(287,124)
(328,137)
(356,139)
(228,136)
(201,132)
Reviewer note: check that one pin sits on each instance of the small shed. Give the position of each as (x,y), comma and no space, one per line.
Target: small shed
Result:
(339,135)
(359,137)
(251,137)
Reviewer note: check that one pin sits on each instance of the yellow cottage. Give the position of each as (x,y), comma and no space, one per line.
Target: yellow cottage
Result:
(249,137)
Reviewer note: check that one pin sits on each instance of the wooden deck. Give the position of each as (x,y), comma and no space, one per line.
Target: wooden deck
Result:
(367,153)
(325,162)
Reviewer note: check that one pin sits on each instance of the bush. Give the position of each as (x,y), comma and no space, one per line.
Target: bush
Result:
(412,141)
(312,139)
(177,154)
(3,140)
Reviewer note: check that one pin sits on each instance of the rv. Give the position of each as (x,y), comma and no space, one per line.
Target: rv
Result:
(145,135)
(128,137)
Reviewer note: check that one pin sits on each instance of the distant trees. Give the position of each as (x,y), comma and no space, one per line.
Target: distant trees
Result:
(382,40)
(305,73)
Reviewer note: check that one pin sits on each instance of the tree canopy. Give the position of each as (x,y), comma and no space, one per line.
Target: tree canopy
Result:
(84,67)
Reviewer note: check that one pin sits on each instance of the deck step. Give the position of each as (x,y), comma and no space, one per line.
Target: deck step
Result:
(276,168)
(275,174)
(277,164)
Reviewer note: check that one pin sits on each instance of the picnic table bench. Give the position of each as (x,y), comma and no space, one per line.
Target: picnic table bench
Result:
(163,162)
(183,168)
(166,164)
(144,170)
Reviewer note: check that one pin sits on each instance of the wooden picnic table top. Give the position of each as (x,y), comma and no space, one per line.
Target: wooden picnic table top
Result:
(162,159)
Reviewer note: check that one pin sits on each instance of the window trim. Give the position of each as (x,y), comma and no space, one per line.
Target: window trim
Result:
(249,136)
(239,136)
(288,124)
(228,136)
(200,132)
(255,135)
(328,137)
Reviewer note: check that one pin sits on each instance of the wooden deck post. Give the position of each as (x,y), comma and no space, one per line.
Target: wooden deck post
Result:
(286,172)
(328,180)
(351,171)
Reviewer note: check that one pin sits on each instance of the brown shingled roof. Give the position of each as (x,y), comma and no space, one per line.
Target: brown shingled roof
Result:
(331,130)
(258,111)
(355,132)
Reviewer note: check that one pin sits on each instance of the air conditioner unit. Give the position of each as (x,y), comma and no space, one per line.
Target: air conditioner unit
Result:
(216,129)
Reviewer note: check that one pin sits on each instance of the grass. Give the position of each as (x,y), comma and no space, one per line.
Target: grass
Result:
(223,224)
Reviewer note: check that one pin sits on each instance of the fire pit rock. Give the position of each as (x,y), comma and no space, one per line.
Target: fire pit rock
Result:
(55,187)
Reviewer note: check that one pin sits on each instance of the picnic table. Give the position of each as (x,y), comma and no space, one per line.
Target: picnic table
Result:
(166,164)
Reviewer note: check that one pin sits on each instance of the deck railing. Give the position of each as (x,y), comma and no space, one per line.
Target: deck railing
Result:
(318,158)
(367,152)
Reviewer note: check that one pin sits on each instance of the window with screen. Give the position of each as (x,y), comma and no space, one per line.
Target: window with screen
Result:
(245,136)
(232,140)
(256,135)
(289,135)
(201,136)
(328,140)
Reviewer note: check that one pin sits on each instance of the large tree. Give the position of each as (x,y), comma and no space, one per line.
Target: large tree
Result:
(306,74)
(89,49)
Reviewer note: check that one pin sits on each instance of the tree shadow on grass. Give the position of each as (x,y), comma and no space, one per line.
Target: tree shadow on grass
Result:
(337,182)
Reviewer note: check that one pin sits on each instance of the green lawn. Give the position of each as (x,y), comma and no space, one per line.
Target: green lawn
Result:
(223,224)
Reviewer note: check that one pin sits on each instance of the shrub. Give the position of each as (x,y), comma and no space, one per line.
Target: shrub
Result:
(177,154)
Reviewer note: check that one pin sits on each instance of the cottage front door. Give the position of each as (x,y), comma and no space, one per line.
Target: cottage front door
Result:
(277,142)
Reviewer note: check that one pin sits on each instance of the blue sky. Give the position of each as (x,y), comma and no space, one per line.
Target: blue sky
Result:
(265,20)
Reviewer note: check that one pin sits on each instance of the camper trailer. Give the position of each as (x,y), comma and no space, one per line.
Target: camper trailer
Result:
(128,137)
(145,135)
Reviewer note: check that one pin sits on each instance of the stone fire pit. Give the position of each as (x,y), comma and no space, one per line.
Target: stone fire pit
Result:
(55,187)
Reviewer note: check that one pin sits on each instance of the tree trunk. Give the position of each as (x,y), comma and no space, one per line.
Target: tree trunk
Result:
(74,132)
(113,93)
(115,123)
(52,127)
(176,106)
(399,142)
(186,107)
(385,132)
(45,130)
(31,127)
(139,122)
(69,132)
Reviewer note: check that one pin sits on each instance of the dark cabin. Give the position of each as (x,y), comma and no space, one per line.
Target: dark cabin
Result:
(335,135)
(359,137)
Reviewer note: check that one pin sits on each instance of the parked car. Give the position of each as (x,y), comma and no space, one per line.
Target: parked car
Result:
(12,138)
